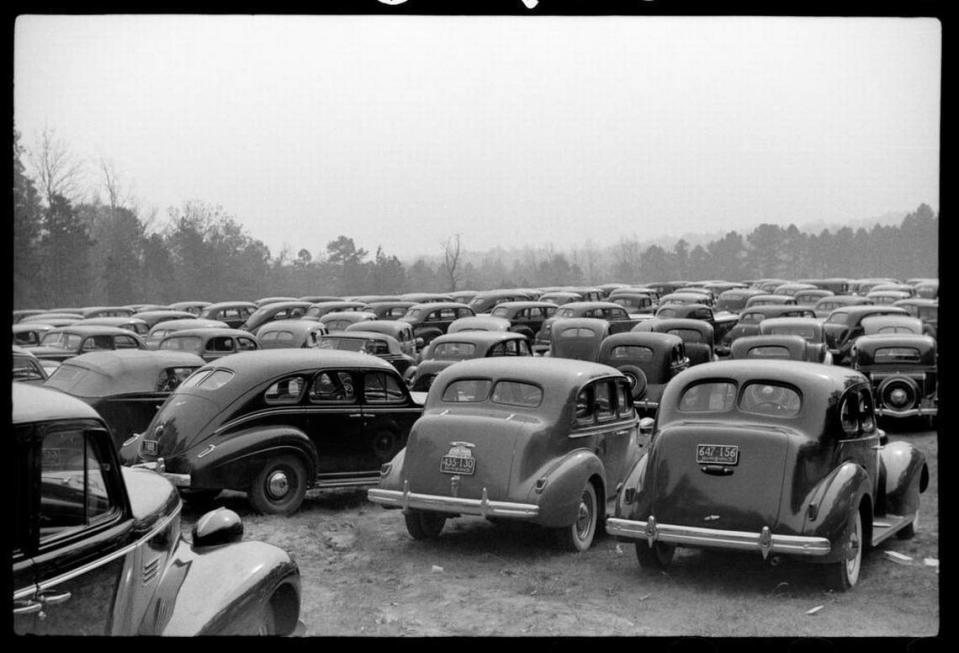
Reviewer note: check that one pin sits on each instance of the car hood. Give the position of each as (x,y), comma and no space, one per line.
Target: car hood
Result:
(490,440)
(745,496)
(152,497)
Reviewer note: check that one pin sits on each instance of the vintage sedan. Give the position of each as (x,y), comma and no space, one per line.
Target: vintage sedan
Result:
(106,311)
(195,306)
(427,297)
(161,330)
(683,297)
(152,318)
(29,334)
(318,309)
(808,298)
(285,334)
(577,337)
(273,423)
(721,322)
(542,440)
(779,347)
(808,328)
(844,325)
(234,313)
(697,335)
(97,549)
(27,367)
(126,387)
(484,302)
(926,310)
(887,296)
(275,311)
(751,318)
(340,320)
(618,318)
(134,324)
(209,343)
(453,347)
(479,323)
(560,297)
(432,319)
(769,299)
(525,317)
(388,310)
(903,369)
(646,358)
(376,343)
(398,329)
(60,344)
(734,299)
(806,434)
(892,324)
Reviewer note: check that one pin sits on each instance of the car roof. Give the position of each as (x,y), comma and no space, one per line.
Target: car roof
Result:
(210,331)
(791,321)
(437,305)
(552,373)
(871,308)
(388,327)
(643,338)
(95,329)
(589,305)
(271,362)
(124,371)
(294,325)
(483,337)
(876,340)
(32,403)
(813,379)
(187,323)
(524,303)
(362,335)
(231,304)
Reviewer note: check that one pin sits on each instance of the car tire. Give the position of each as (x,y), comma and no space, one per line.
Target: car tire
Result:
(844,573)
(579,535)
(658,557)
(637,380)
(199,497)
(279,487)
(386,444)
(424,524)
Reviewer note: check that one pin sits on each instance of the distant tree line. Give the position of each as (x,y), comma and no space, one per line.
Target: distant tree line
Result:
(76,249)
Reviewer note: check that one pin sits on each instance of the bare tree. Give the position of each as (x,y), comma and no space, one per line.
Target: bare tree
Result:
(117,195)
(451,260)
(58,171)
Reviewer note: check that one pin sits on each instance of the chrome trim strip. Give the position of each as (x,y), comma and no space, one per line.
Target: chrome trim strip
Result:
(708,537)
(483,507)
(79,571)
(909,412)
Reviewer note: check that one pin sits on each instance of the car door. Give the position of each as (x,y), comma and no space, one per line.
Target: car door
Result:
(78,544)
(336,424)
(603,429)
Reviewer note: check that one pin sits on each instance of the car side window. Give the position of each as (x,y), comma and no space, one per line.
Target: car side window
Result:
(624,399)
(867,419)
(125,342)
(584,408)
(245,344)
(604,397)
(221,343)
(74,493)
(382,388)
(523,348)
(332,387)
(285,391)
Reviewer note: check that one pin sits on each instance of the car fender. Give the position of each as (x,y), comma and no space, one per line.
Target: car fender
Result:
(236,457)
(907,475)
(218,590)
(391,473)
(626,498)
(833,499)
(561,485)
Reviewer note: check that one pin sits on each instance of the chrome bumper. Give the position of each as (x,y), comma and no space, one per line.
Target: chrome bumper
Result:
(909,412)
(484,507)
(764,542)
(179,480)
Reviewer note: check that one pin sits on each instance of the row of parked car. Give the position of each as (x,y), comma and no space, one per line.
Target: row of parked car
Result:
(629,423)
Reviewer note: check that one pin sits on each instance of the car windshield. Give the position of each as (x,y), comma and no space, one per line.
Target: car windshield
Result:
(467,390)
(61,340)
(897,355)
(688,335)
(452,351)
(182,343)
(636,353)
(769,351)
(807,333)
(345,344)
(277,337)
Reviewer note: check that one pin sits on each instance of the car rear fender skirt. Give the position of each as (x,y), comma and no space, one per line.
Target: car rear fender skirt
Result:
(195,597)
(233,461)
(558,487)
(832,501)
(906,476)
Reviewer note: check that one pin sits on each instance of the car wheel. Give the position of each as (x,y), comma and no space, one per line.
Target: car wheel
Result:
(578,536)
(908,531)
(385,445)
(423,524)
(659,556)
(280,486)
(199,497)
(845,571)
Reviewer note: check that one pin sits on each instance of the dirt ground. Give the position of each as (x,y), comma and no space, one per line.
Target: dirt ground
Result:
(363,575)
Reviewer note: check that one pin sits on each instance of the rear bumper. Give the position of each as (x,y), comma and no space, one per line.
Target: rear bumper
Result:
(456,505)
(765,541)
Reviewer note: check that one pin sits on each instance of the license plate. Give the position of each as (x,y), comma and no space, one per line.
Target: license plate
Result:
(150,447)
(457,465)
(717,454)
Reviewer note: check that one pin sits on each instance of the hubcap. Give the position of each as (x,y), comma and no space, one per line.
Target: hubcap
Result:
(898,396)
(278,484)
(584,518)
(852,552)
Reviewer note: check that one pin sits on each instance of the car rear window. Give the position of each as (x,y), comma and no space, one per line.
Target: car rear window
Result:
(804,332)
(666,312)
(501,312)
(770,399)
(578,332)
(708,397)
(516,393)
(897,355)
(467,390)
(208,379)
(453,351)
(688,335)
(837,318)
(632,352)
(277,336)
(768,352)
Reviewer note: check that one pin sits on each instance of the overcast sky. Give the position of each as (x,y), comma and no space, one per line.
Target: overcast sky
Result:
(513,130)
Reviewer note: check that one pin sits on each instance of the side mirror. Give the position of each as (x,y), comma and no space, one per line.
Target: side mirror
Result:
(646,425)
(220,526)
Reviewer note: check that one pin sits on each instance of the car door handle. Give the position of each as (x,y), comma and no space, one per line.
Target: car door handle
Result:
(355,415)
(27,607)
(54,598)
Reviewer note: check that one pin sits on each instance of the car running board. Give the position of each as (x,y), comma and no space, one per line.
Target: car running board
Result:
(887,526)
(326,482)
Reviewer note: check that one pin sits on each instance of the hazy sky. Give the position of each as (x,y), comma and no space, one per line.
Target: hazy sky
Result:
(513,130)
